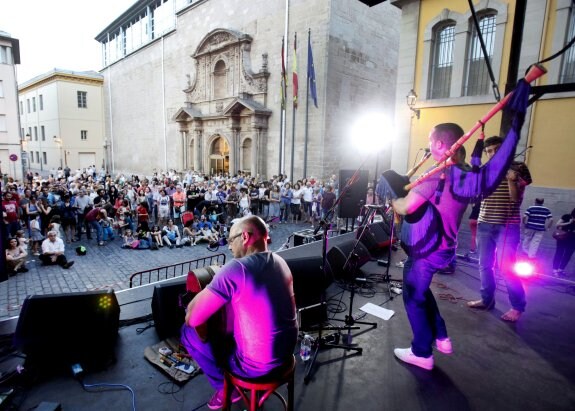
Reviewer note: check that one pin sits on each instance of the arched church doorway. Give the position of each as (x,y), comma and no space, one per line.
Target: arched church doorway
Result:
(219,156)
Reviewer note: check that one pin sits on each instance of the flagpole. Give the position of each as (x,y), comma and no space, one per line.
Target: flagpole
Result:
(294,106)
(282,110)
(284,113)
(306,109)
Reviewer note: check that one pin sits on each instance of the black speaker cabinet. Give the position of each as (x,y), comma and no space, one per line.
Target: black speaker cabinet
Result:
(375,237)
(309,281)
(168,308)
(338,255)
(56,331)
(355,196)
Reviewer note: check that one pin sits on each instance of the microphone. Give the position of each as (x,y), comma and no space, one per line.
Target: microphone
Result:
(426,149)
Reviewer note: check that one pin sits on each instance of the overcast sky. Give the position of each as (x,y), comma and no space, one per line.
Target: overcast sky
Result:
(58,33)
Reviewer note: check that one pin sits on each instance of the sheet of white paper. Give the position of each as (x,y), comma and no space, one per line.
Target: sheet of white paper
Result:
(378,311)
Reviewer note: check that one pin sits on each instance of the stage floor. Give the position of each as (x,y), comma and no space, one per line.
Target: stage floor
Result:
(496,365)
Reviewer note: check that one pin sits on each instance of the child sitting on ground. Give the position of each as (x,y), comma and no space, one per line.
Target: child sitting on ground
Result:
(129,240)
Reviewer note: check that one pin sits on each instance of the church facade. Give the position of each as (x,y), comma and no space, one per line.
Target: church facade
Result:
(196,85)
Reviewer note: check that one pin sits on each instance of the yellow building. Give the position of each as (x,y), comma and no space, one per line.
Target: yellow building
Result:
(442,62)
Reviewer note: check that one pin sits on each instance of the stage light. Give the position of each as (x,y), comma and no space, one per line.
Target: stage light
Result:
(524,269)
(371,132)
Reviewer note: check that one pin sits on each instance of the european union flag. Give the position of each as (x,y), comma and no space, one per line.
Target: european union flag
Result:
(311,73)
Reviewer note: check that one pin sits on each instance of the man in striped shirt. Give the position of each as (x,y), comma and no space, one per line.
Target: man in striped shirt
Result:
(537,219)
(498,235)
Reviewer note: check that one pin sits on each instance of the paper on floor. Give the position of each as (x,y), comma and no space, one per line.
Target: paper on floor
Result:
(378,311)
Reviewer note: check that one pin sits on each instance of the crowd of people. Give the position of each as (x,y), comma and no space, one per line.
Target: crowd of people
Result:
(163,210)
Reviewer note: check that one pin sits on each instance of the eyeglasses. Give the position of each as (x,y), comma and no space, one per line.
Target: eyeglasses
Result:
(232,238)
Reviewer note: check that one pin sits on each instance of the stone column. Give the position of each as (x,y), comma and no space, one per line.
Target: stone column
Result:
(198,163)
(256,152)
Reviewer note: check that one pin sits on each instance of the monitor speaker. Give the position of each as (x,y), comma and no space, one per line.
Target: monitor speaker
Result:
(354,197)
(375,237)
(168,308)
(338,255)
(309,281)
(56,331)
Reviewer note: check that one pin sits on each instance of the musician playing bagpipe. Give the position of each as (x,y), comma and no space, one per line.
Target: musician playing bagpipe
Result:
(441,220)
(256,289)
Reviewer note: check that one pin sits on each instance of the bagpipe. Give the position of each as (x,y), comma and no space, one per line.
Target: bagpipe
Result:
(422,231)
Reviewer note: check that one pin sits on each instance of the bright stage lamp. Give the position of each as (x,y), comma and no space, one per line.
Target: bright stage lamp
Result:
(372,132)
(524,269)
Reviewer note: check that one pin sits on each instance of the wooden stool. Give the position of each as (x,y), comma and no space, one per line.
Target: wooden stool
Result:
(262,387)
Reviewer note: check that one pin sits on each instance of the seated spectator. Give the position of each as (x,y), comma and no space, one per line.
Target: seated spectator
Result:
(130,241)
(171,234)
(144,237)
(156,234)
(15,257)
(189,233)
(53,251)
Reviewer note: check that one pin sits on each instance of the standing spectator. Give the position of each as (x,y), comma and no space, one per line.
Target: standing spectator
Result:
(536,220)
(36,236)
(163,207)
(244,202)
(83,205)
(53,251)
(254,194)
(327,201)
(92,219)
(11,208)
(285,204)
(179,201)
(498,234)
(295,205)
(566,245)
(68,216)
(274,203)
(307,200)
(473,216)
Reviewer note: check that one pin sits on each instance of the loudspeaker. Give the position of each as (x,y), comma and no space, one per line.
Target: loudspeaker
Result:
(168,309)
(338,255)
(351,202)
(309,280)
(56,331)
(375,237)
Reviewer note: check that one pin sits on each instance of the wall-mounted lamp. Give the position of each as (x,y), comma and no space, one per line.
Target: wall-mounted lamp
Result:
(411,100)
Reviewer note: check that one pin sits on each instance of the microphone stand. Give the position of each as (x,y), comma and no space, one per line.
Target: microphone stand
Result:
(322,342)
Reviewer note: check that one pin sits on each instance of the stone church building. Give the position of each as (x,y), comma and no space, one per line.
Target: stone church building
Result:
(195,84)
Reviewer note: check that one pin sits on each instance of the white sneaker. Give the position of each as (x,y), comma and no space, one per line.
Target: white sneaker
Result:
(444,346)
(405,355)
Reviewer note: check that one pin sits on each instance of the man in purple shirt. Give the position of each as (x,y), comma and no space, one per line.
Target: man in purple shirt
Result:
(257,287)
(426,322)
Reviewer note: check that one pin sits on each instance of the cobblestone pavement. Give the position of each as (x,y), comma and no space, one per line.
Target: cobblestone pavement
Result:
(106,266)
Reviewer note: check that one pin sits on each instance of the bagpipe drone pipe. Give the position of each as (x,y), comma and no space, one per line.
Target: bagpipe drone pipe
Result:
(422,231)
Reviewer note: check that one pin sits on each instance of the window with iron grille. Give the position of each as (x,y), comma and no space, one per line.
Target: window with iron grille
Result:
(41,102)
(442,63)
(568,61)
(83,134)
(82,99)
(477,76)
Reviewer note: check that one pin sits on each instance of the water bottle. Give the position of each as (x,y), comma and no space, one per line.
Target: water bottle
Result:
(305,348)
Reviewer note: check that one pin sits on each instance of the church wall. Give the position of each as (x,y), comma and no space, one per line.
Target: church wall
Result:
(144,102)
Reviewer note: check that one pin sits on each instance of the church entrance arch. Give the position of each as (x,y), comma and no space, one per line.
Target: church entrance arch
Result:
(219,155)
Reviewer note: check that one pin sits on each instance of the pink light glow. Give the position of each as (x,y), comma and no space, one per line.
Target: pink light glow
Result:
(524,269)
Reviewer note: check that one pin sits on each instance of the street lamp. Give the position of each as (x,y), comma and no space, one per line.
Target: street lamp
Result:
(58,141)
(411,100)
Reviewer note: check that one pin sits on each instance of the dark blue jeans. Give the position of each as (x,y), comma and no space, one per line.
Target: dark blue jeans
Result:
(213,356)
(420,305)
(498,242)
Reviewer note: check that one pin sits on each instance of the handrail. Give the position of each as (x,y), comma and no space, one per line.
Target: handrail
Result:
(174,270)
